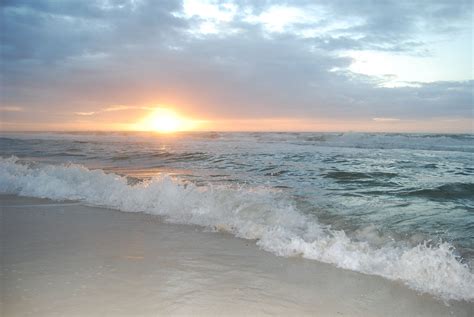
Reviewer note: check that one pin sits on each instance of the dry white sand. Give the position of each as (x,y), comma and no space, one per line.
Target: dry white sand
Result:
(65,259)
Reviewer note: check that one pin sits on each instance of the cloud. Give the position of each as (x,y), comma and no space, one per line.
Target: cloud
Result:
(113,108)
(386,119)
(122,107)
(11,109)
(77,56)
(85,113)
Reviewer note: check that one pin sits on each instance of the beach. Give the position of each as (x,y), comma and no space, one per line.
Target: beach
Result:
(67,259)
(236,158)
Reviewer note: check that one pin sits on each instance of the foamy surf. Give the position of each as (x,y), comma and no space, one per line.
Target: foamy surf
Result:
(276,224)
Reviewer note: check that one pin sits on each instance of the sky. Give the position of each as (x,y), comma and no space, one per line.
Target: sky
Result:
(365,65)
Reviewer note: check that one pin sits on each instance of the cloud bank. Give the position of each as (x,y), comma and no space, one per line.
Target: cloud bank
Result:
(226,59)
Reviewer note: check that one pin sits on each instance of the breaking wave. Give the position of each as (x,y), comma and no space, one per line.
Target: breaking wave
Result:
(250,213)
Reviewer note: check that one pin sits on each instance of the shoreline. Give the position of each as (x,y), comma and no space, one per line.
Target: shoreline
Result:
(68,259)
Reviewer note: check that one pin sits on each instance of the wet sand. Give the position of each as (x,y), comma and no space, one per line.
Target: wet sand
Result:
(66,259)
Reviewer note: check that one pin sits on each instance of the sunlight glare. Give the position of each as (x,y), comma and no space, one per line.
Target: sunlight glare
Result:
(163,120)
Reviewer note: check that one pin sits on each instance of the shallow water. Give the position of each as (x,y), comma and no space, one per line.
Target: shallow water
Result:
(396,205)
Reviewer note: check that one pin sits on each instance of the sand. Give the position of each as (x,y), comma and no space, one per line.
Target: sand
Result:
(66,259)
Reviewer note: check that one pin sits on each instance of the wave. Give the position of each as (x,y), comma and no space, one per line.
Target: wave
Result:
(164,155)
(445,191)
(350,176)
(250,213)
(417,141)
(410,141)
(434,142)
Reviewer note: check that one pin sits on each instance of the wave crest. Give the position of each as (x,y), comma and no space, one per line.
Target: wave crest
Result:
(446,191)
(247,213)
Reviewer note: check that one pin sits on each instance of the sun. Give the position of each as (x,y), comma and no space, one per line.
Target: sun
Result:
(164,120)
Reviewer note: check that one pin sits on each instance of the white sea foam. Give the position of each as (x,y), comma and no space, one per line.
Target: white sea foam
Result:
(257,214)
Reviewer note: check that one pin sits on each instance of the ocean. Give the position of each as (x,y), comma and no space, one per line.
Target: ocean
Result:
(400,206)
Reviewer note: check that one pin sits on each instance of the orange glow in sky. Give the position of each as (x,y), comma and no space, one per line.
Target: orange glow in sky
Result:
(177,117)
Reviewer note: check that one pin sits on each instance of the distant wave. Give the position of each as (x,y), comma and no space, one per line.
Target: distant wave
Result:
(175,157)
(344,175)
(418,141)
(250,213)
(446,191)
(437,142)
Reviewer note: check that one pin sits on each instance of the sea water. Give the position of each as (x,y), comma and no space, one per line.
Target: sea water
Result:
(399,206)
